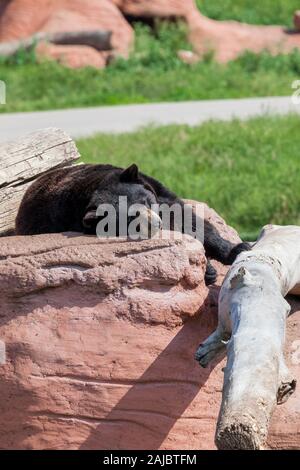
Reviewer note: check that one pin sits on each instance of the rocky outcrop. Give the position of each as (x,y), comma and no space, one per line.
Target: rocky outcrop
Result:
(225,39)
(96,342)
(157,8)
(209,214)
(20,19)
(73,56)
(100,337)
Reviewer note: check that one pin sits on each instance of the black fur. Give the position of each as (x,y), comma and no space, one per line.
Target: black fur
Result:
(66,199)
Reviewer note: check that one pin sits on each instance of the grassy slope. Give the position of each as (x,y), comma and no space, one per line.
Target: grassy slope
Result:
(251,11)
(154,73)
(249,172)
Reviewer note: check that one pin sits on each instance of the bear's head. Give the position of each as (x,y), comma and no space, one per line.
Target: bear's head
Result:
(123,206)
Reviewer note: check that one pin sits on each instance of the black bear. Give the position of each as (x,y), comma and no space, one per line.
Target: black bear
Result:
(66,199)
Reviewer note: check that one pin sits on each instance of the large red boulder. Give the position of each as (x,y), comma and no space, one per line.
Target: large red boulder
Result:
(156,8)
(100,337)
(225,39)
(99,354)
(22,18)
(72,56)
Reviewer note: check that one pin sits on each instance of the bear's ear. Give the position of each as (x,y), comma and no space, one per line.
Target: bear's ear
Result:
(130,175)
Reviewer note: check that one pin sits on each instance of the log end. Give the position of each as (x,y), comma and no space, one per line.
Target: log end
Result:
(240,435)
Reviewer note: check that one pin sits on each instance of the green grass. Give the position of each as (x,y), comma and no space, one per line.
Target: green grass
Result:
(247,171)
(153,73)
(251,11)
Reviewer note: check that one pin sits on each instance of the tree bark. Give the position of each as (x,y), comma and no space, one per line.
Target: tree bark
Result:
(252,317)
(100,40)
(25,159)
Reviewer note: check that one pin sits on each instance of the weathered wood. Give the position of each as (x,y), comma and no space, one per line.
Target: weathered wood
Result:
(252,317)
(23,160)
(100,40)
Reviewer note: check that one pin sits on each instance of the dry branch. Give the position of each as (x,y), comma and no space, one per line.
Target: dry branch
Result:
(100,40)
(252,318)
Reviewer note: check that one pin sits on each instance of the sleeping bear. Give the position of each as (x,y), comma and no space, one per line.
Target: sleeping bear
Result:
(66,199)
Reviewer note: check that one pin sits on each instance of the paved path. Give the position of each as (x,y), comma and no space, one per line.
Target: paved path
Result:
(82,122)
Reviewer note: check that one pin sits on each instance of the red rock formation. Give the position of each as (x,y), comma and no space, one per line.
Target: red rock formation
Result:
(72,56)
(227,39)
(22,18)
(91,329)
(156,8)
(100,337)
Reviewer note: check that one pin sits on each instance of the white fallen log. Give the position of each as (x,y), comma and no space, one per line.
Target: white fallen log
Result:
(23,160)
(100,40)
(252,319)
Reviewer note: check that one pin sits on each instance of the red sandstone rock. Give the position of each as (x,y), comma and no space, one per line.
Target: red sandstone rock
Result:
(229,39)
(100,337)
(226,39)
(227,232)
(156,8)
(72,56)
(96,330)
(22,18)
